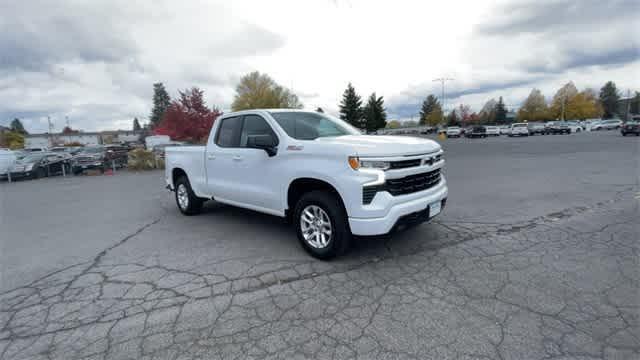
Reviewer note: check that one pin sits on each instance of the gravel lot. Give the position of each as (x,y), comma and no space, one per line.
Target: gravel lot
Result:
(536,256)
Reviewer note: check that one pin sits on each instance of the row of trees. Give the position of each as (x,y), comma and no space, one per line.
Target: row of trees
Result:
(570,104)
(188,118)
(370,117)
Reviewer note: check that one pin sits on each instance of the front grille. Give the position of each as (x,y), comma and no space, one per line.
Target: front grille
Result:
(402,186)
(405,164)
(413,183)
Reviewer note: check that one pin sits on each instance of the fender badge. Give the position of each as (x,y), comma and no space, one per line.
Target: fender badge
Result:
(295,147)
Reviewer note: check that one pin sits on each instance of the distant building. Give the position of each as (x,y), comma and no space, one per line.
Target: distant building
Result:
(4,129)
(84,138)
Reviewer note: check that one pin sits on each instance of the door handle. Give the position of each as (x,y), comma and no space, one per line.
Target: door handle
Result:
(237,158)
(211,156)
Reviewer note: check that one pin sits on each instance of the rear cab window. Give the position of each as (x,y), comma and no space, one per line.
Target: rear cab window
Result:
(228,134)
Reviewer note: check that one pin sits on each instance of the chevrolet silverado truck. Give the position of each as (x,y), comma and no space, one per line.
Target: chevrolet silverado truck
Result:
(324,176)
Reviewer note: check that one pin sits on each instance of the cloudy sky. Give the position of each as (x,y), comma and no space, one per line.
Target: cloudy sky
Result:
(94,62)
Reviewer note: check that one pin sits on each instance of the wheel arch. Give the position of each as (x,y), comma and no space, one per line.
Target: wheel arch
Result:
(301,185)
(176,173)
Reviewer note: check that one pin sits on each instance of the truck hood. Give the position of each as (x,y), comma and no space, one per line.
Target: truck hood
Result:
(378,146)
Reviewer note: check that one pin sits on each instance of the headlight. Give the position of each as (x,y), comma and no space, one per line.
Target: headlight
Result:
(381,165)
(355,163)
(28,167)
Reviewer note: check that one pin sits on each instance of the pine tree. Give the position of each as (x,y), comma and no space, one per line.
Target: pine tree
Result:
(16,126)
(428,106)
(452,119)
(161,102)
(374,113)
(351,107)
(609,97)
(136,125)
(501,112)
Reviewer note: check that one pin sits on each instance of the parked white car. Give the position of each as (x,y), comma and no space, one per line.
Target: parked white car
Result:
(330,180)
(454,131)
(574,126)
(519,129)
(505,130)
(492,130)
(7,160)
(612,124)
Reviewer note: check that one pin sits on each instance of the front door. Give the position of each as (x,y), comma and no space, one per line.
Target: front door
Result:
(254,170)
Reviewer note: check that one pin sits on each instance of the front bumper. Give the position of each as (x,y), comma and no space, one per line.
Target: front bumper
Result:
(416,206)
(20,174)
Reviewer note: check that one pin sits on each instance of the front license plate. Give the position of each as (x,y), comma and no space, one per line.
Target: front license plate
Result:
(434,208)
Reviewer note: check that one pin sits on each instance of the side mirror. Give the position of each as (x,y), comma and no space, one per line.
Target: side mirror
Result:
(264,142)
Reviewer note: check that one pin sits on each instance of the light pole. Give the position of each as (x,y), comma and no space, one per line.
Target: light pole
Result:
(442,80)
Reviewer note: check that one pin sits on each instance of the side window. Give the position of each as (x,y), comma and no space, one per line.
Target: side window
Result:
(228,132)
(254,125)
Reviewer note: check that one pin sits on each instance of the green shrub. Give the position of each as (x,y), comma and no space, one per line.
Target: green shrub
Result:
(141,159)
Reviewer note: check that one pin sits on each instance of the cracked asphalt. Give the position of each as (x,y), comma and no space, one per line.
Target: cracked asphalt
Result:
(536,256)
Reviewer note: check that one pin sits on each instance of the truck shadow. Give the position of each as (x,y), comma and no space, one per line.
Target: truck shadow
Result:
(240,225)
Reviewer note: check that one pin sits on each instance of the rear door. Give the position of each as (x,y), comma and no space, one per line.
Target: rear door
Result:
(219,158)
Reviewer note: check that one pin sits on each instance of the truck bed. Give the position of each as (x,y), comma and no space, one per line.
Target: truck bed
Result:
(191,159)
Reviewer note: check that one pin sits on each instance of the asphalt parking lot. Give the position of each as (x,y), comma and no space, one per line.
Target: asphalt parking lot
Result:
(536,256)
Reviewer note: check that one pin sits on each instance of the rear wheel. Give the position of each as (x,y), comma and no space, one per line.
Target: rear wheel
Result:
(39,173)
(321,224)
(186,199)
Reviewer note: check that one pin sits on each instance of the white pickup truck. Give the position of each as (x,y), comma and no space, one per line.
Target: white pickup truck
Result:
(323,175)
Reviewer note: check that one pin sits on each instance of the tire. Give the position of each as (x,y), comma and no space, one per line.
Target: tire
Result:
(40,173)
(186,200)
(313,211)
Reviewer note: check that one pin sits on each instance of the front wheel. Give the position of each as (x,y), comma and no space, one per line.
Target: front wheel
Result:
(322,225)
(186,199)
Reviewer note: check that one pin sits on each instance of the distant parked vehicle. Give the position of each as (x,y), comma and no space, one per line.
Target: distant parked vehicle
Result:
(630,128)
(100,157)
(35,149)
(505,130)
(492,130)
(574,126)
(7,159)
(40,164)
(612,124)
(537,129)
(151,141)
(519,129)
(454,131)
(71,150)
(559,127)
(477,132)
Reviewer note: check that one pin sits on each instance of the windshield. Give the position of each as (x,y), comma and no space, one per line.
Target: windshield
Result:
(32,158)
(310,126)
(93,149)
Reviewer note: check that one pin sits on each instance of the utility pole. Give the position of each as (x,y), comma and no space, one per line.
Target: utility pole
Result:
(442,80)
(628,114)
(50,130)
